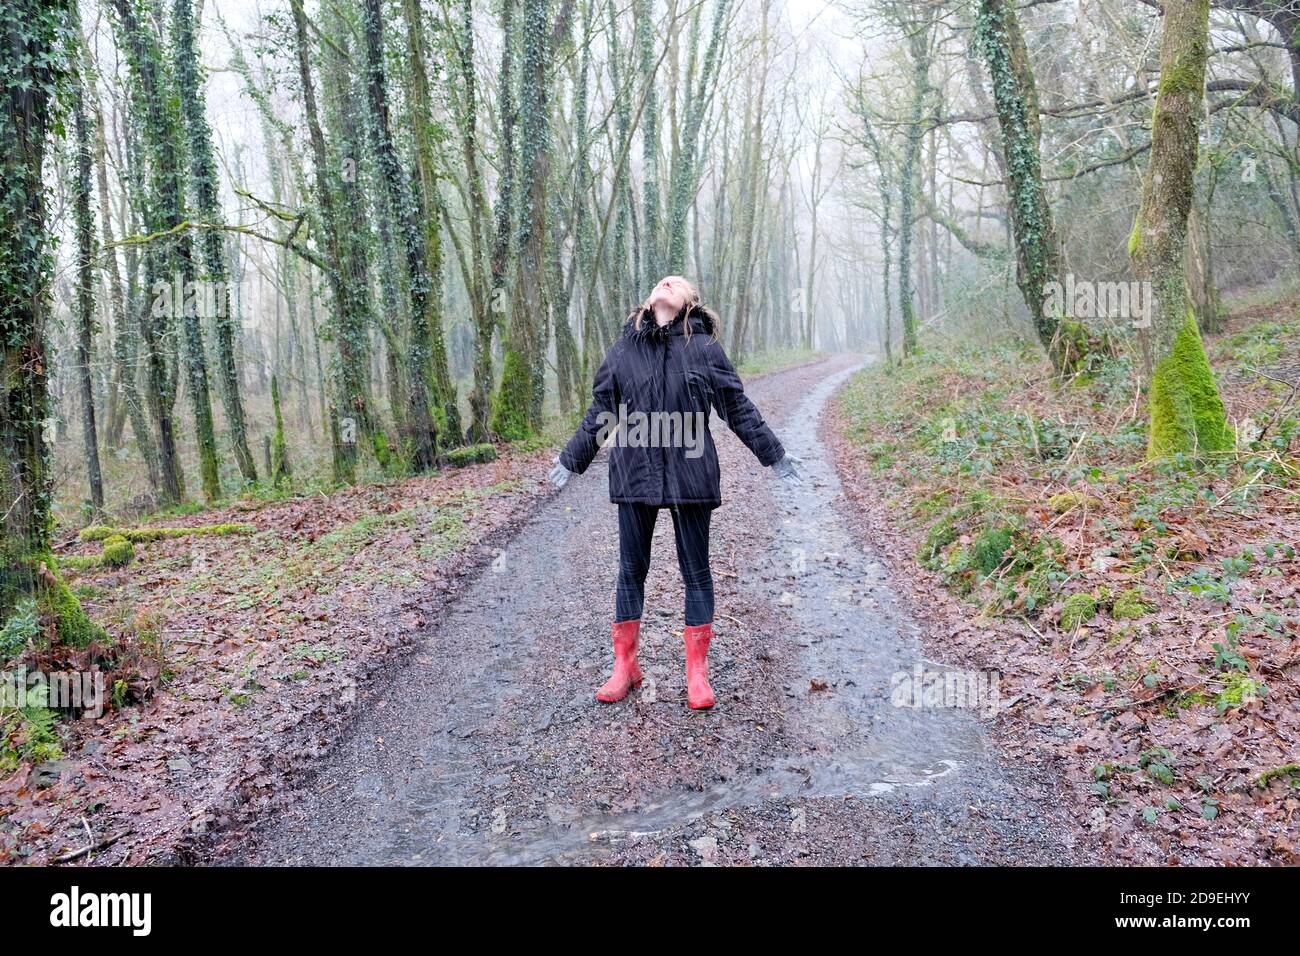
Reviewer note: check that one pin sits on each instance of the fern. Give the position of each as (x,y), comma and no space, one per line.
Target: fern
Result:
(22,626)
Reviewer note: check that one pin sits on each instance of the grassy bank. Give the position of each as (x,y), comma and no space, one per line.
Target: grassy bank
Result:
(237,639)
(1144,614)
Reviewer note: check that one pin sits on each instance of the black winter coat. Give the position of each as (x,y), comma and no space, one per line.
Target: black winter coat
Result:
(654,369)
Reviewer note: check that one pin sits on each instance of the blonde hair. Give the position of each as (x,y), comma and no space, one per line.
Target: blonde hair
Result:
(692,301)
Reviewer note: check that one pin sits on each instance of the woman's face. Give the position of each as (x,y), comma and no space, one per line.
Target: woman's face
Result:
(669,293)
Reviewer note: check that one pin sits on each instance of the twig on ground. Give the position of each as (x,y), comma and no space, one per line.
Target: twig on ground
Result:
(91,848)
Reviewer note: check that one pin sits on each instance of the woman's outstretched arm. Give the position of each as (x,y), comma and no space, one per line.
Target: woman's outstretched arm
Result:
(740,414)
(584,444)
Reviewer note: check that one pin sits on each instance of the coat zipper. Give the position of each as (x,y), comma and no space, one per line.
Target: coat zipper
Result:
(663,403)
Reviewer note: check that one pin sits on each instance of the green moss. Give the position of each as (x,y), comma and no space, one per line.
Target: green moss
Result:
(383,451)
(279,450)
(1077,611)
(1238,689)
(139,535)
(1187,414)
(510,415)
(56,602)
(1184,77)
(471,455)
(1129,604)
(1135,237)
(1291,771)
(1067,500)
(118,552)
(79,562)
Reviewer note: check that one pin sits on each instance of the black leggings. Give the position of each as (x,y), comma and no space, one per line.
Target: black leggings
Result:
(636,527)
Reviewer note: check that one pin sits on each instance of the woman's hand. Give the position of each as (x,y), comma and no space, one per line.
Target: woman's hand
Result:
(559,475)
(787,469)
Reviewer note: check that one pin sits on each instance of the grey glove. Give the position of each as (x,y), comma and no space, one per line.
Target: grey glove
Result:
(787,469)
(559,475)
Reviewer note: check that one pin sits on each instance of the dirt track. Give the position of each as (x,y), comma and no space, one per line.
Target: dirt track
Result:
(488,747)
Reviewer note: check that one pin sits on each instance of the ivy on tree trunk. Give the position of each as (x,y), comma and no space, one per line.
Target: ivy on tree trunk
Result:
(998,39)
(37,41)
(85,229)
(203,179)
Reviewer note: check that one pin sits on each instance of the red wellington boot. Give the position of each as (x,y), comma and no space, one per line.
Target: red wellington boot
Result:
(627,672)
(698,692)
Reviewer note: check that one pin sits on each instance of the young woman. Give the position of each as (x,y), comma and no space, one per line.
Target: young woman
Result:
(653,394)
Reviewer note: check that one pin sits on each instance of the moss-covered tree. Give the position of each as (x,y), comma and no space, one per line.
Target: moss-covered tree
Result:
(883,177)
(1186,412)
(565,212)
(503,214)
(36,44)
(421,428)
(169,257)
(1001,44)
(85,228)
(203,180)
(126,324)
(279,457)
(918,45)
(473,264)
(647,63)
(684,173)
(519,400)
(352,417)
(429,137)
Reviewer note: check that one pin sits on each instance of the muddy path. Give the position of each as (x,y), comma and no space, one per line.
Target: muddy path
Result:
(488,747)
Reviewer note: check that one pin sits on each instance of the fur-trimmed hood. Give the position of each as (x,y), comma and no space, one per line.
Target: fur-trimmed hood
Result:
(702,321)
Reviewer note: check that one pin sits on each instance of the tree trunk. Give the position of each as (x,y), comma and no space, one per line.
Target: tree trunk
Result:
(85,228)
(173,266)
(1186,412)
(1015,97)
(126,318)
(30,66)
(1200,264)
(920,56)
(203,177)
(164,260)
(685,170)
(352,416)
(651,265)
(518,407)
(480,397)
(426,160)
(421,431)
